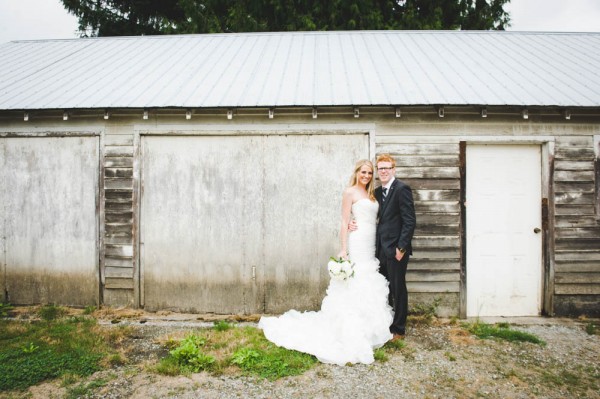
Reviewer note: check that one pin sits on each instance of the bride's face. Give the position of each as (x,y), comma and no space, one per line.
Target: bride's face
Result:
(365,174)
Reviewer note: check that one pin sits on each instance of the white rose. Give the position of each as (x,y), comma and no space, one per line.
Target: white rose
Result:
(346,267)
(334,267)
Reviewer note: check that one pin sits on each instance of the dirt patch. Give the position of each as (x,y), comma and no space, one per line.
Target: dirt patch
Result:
(439,360)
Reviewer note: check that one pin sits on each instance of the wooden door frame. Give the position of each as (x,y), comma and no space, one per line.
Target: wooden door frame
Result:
(547,144)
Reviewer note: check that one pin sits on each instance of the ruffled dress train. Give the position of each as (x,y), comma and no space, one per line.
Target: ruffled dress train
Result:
(355,316)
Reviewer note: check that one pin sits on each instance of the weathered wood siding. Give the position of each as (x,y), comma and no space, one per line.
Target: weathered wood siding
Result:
(432,170)
(427,151)
(118,273)
(577,226)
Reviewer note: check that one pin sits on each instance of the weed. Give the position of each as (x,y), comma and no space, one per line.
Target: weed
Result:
(116,359)
(168,366)
(222,325)
(397,344)
(51,312)
(5,309)
(189,355)
(30,348)
(380,355)
(424,313)
(69,379)
(84,389)
(89,310)
(591,329)
(484,331)
(450,356)
(245,357)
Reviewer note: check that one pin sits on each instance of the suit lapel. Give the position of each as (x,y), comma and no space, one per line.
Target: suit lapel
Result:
(389,196)
(378,197)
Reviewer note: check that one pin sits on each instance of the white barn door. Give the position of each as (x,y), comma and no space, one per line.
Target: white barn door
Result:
(241,224)
(504,259)
(200,222)
(48,220)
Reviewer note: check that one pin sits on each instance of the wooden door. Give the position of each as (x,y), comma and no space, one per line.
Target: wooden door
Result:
(48,200)
(241,224)
(504,262)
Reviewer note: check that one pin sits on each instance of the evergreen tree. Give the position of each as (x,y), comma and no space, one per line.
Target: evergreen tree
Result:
(154,17)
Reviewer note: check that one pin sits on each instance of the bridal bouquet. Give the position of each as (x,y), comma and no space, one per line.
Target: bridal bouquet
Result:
(340,269)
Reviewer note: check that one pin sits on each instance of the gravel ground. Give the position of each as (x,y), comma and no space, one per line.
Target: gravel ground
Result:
(439,361)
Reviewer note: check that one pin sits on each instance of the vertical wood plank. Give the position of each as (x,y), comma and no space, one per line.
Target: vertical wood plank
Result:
(463,229)
(548,232)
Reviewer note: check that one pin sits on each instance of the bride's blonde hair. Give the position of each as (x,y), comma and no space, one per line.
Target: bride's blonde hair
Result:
(354,179)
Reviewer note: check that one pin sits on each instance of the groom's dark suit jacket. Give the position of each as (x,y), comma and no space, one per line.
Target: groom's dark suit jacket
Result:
(396,219)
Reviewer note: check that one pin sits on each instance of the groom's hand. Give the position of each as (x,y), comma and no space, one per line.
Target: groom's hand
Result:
(352,226)
(399,255)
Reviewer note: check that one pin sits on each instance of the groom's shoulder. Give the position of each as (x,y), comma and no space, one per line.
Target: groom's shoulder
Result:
(400,183)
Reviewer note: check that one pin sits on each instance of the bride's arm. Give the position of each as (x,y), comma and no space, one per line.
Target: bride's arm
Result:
(346,209)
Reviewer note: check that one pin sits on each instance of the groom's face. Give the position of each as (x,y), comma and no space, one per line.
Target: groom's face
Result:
(385,172)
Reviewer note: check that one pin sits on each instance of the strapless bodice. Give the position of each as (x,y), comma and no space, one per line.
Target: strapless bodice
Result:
(365,211)
(361,242)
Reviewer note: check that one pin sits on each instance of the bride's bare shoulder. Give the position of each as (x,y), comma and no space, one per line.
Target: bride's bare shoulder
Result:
(351,192)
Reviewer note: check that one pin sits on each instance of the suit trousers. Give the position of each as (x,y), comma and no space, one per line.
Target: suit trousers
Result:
(395,272)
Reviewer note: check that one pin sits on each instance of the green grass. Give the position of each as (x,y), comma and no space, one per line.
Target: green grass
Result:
(423,314)
(83,389)
(37,351)
(592,329)
(51,312)
(89,309)
(244,349)
(5,309)
(272,362)
(381,355)
(222,325)
(450,356)
(562,377)
(189,354)
(501,331)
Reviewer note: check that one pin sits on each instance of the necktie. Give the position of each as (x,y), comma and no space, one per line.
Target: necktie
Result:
(384,190)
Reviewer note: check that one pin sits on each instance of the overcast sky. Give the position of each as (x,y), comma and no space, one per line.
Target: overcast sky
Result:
(47,19)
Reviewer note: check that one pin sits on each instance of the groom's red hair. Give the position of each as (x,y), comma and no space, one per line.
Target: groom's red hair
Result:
(385,158)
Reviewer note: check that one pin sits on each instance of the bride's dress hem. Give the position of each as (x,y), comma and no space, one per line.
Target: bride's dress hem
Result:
(354,318)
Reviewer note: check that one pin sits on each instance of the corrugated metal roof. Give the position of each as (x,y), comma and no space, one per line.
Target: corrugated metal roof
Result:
(303,69)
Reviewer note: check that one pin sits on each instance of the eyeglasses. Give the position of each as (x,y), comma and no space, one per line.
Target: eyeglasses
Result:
(384,169)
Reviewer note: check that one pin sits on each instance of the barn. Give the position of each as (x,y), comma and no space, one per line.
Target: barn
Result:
(203,173)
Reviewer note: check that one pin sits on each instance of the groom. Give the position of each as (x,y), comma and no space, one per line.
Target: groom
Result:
(394,234)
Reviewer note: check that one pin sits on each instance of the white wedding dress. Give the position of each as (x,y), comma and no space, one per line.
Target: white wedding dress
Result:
(355,315)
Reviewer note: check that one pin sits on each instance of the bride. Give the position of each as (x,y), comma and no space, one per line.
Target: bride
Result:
(355,316)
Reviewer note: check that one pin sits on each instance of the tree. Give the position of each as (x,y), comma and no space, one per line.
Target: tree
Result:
(153,17)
